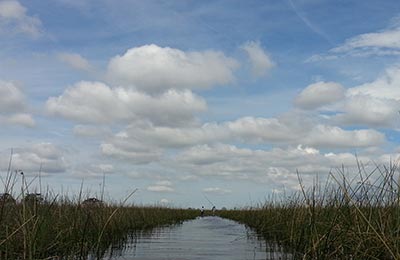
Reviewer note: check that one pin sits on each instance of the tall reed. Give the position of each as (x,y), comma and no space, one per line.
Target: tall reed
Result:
(349,217)
(33,226)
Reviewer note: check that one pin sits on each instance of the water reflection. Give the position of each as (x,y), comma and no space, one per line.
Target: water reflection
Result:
(202,238)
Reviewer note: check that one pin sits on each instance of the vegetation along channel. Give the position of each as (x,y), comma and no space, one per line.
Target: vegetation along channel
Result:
(199,129)
(341,219)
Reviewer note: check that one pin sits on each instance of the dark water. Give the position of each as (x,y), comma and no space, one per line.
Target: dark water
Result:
(200,239)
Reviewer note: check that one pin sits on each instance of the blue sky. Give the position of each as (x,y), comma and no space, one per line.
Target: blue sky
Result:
(187,99)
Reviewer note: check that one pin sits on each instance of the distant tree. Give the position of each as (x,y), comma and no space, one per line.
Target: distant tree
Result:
(6,198)
(33,198)
(92,202)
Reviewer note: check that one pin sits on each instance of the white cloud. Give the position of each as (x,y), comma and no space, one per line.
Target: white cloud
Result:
(91,131)
(164,201)
(228,159)
(95,102)
(11,98)
(41,155)
(386,86)
(151,138)
(106,168)
(246,129)
(160,188)
(133,152)
(276,167)
(385,42)
(259,59)
(372,42)
(333,136)
(164,183)
(217,190)
(86,102)
(21,119)
(76,61)
(93,170)
(370,111)
(11,9)
(13,105)
(321,57)
(374,103)
(151,142)
(258,129)
(188,177)
(14,18)
(168,137)
(320,94)
(205,154)
(151,68)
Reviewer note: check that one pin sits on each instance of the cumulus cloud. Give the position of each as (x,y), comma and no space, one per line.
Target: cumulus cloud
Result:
(260,61)
(370,111)
(132,151)
(153,141)
(91,131)
(76,61)
(14,18)
(161,186)
(258,129)
(217,190)
(151,68)
(146,143)
(333,136)
(374,103)
(106,168)
(386,86)
(95,102)
(45,156)
(235,160)
(93,170)
(13,105)
(164,201)
(320,94)
(22,119)
(164,183)
(275,167)
(11,98)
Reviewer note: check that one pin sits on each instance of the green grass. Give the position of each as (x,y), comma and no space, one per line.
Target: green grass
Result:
(54,227)
(65,228)
(349,217)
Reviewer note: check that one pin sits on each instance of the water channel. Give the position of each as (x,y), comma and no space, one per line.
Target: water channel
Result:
(200,239)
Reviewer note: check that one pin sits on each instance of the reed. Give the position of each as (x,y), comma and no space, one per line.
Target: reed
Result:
(351,216)
(33,226)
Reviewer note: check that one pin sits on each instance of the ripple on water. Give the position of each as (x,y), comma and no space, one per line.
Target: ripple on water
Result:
(200,239)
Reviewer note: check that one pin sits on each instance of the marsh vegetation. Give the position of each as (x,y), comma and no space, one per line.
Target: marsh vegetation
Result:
(36,226)
(350,216)
(64,229)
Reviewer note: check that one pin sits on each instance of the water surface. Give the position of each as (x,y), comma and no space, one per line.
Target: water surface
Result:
(204,238)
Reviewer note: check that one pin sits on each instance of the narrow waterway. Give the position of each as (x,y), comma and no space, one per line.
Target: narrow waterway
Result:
(200,239)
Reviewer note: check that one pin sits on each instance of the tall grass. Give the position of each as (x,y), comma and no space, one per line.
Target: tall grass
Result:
(64,228)
(348,217)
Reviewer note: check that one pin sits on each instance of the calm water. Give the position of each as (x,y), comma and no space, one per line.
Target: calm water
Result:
(203,238)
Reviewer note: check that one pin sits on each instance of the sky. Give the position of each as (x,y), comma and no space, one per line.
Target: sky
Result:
(196,102)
